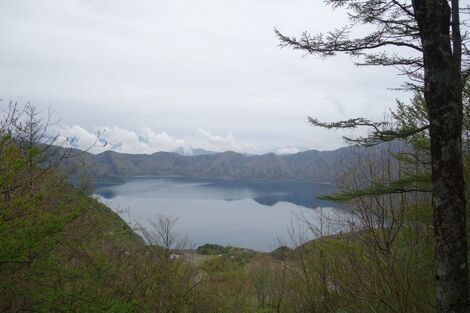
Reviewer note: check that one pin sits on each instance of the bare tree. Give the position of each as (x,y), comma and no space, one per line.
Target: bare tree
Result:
(162,234)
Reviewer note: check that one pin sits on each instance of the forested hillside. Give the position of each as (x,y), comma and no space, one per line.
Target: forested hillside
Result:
(312,165)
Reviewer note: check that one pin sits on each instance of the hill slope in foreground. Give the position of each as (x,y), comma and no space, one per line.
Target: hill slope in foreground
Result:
(62,251)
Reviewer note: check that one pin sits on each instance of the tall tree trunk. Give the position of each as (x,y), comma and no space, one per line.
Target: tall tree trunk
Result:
(443,95)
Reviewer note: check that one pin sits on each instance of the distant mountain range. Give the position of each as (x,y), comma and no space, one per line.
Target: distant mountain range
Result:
(278,150)
(196,151)
(312,165)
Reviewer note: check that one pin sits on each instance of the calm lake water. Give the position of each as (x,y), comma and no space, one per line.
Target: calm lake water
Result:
(247,214)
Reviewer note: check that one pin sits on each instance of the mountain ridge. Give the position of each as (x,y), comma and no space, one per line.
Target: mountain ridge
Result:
(310,165)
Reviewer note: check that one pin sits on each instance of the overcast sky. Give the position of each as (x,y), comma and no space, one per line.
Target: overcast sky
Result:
(158,75)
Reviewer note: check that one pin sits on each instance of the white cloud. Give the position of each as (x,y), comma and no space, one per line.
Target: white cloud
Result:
(148,141)
(287,150)
(228,143)
(126,141)
(79,138)
(162,141)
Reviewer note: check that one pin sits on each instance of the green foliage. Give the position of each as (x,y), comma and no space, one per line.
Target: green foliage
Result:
(281,253)
(411,117)
(386,263)
(212,249)
(419,182)
(62,251)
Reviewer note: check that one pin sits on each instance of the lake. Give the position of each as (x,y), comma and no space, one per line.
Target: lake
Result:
(254,215)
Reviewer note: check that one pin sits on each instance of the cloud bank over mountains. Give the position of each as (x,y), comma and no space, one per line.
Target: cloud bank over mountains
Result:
(148,141)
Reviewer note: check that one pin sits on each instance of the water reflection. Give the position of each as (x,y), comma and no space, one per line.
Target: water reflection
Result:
(265,193)
(247,214)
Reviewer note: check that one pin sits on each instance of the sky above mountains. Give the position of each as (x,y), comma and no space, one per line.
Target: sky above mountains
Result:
(154,75)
